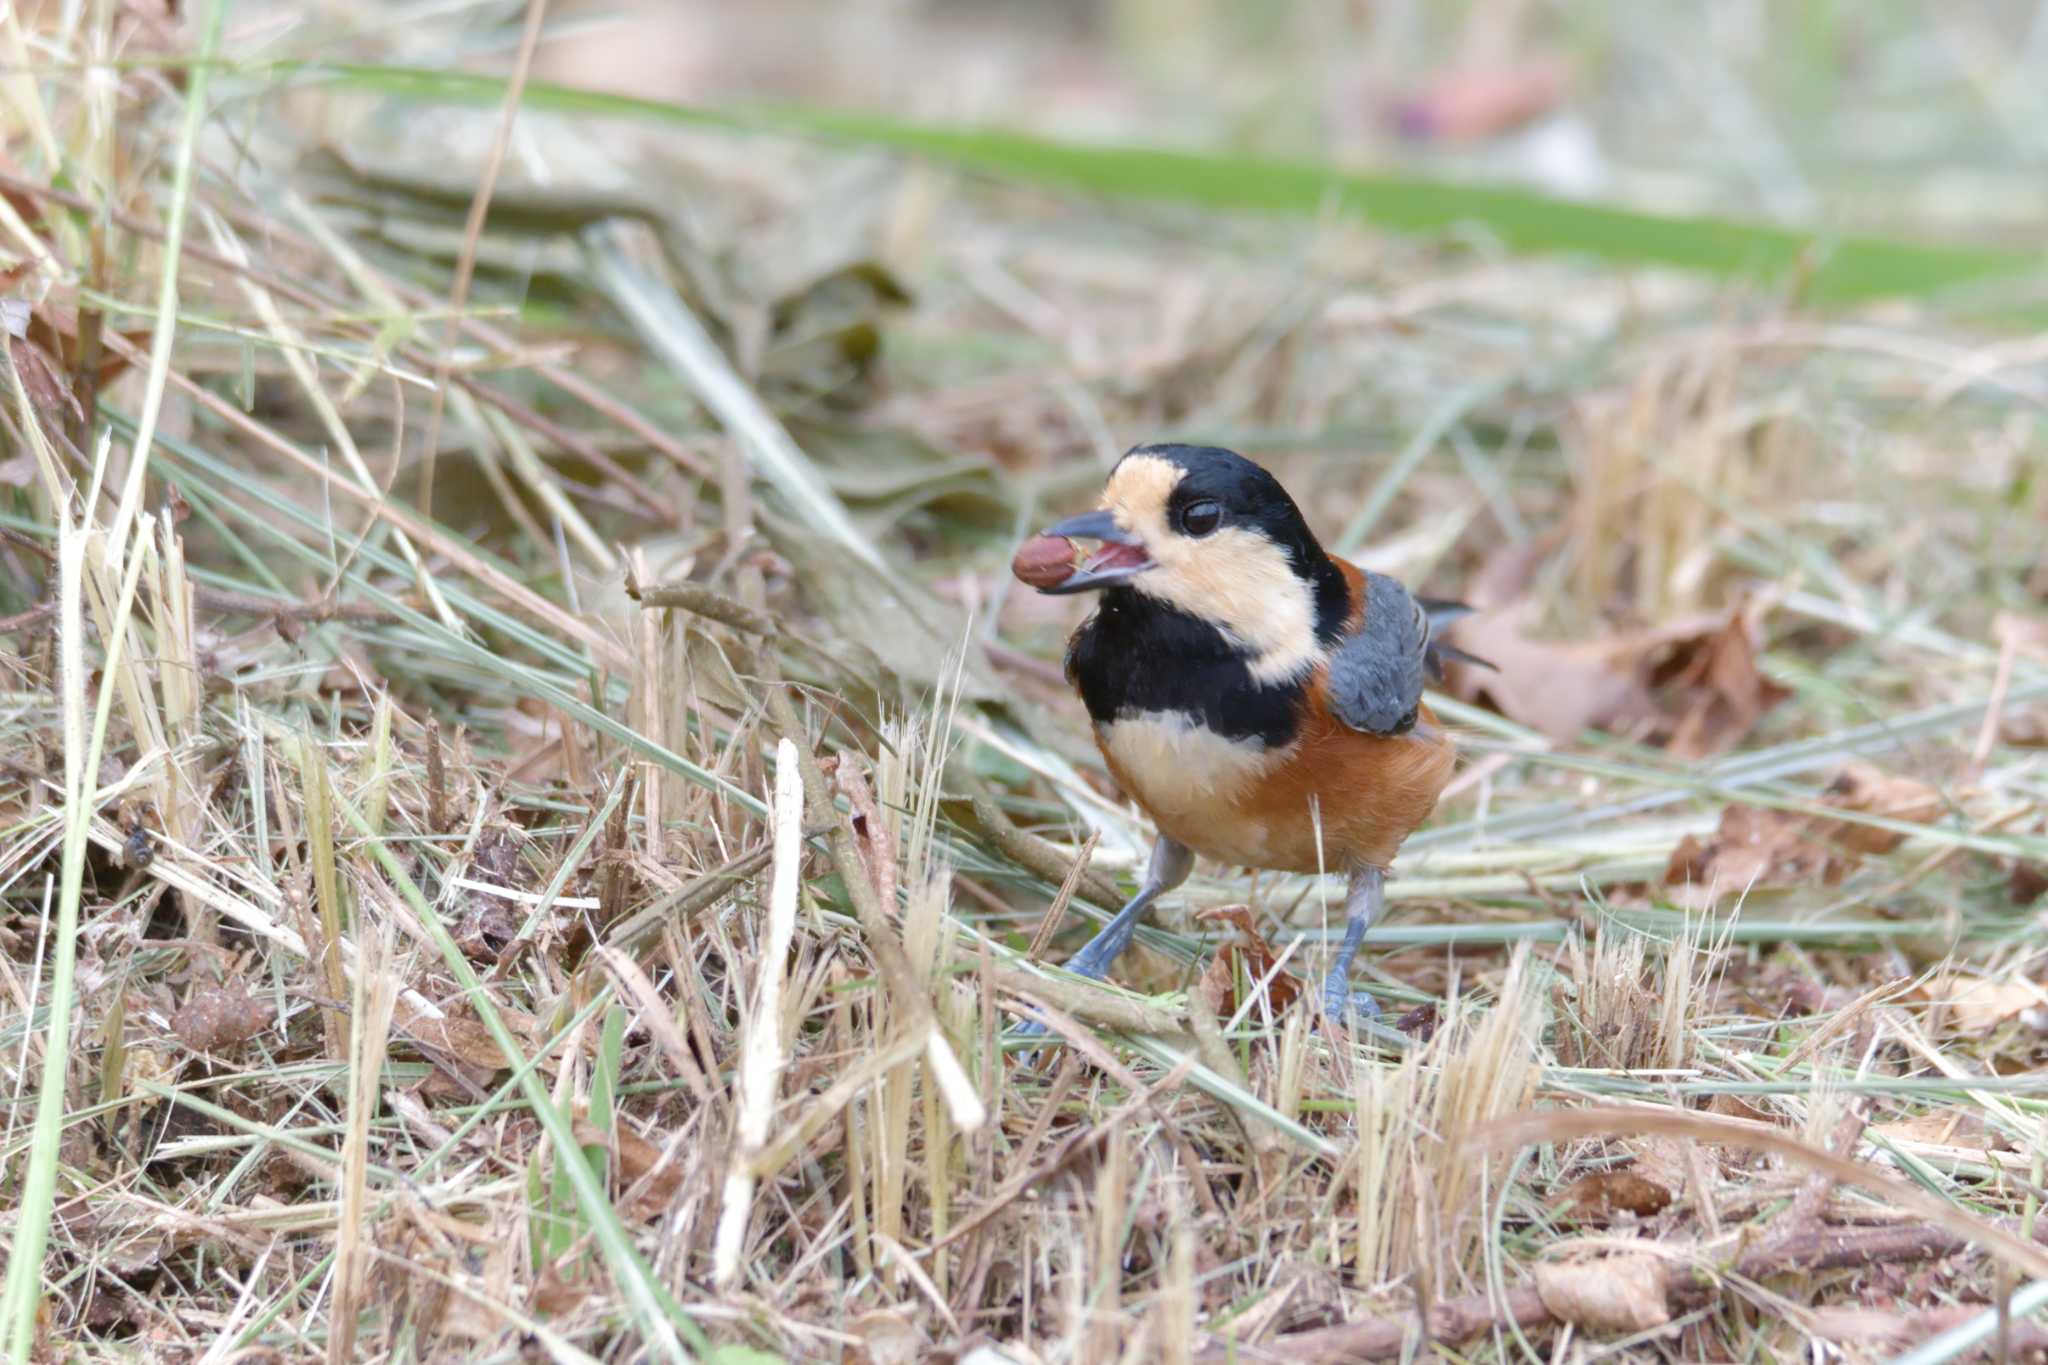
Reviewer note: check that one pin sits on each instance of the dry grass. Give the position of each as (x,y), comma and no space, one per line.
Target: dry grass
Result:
(416,944)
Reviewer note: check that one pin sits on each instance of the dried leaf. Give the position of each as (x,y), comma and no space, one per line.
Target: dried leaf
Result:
(1752,847)
(1560,688)
(1601,1196)
(888,1336)
(554,1295)
(1610,1294)
(218,1018)
(1691,685)
(1942,1128)
(44,385)
(55,329)
(633,1156)
(1756,847)
(457,1034)
(1736,1107)
(1245,957)
(1867,790)
(1720,693)
(1977,1005)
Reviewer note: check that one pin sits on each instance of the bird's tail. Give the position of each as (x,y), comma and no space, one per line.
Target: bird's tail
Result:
(1440,612)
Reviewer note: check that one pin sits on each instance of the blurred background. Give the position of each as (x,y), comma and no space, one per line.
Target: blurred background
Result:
(1915,117)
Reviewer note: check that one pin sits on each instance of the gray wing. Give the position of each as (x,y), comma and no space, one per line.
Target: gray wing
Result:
(1377,675)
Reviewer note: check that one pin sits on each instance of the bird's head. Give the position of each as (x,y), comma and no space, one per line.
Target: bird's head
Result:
(1207,532)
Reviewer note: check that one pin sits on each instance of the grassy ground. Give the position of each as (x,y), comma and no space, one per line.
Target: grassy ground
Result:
(525,811)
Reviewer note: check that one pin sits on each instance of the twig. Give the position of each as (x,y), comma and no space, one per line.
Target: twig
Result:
(1086,1001)
(28,542)
(1039,856)
(26,620)
(252,604)
(1056,913)
(683,905)
(1812,1199)
(1455,1320)
(705,602)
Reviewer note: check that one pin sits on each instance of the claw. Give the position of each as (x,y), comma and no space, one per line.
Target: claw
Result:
(1341,1003)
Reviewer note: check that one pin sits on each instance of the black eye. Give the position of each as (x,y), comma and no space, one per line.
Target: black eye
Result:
(1200,518)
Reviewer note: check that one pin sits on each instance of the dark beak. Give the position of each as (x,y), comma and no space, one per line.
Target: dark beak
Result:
(1122,554)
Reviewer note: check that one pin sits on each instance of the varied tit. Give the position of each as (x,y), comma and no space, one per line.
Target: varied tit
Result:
(1259,700)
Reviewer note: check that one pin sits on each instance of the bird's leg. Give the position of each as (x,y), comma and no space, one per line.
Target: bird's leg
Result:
(1170,865)
(1363,902)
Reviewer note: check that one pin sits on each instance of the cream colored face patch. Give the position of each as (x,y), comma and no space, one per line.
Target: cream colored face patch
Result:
(1234,577)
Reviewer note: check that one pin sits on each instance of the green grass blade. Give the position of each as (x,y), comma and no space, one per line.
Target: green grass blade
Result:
(657,1313)
(1843,268)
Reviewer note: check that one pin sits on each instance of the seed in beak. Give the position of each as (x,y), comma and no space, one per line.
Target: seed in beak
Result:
(1044,561)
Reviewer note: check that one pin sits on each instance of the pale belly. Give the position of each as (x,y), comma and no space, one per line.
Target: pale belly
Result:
(1191,780)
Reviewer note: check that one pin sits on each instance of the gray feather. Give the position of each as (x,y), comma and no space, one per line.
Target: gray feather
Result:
(1377,675)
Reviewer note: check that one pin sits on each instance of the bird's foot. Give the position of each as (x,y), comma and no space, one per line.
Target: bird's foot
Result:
(1342,1003)
(1027,1028)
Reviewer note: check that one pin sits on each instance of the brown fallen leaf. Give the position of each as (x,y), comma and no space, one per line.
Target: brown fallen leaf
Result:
(1942,1128)
(1719,692)
(1756,847)
(555,1295)
(1560,688)
(888,1336)
(1736,1107)
(1977,1005)
(633,1157)
(1871,791)
(219,1018)
(1751,847)
(462,1037)
(1247,949)
(44,383)
(1691,686)
(57,330)
(1607,1294)
(1602,1196)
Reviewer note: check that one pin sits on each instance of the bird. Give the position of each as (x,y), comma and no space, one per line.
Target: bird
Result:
(1258,698)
